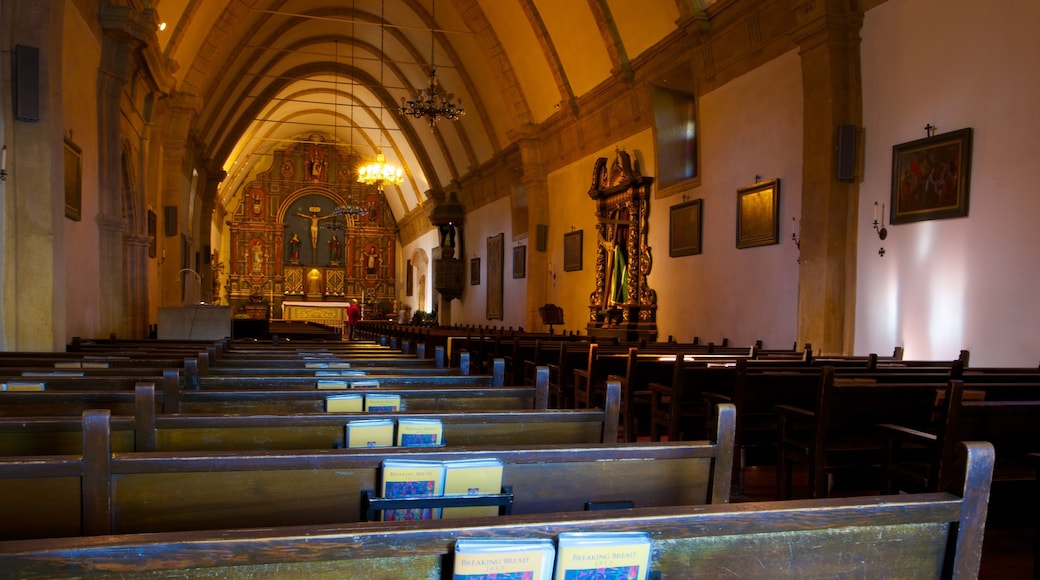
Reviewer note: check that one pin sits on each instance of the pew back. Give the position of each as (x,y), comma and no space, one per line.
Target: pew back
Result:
(908,536)
(105,492)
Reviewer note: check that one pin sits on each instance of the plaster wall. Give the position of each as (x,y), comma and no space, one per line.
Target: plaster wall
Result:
(750,129)
(489,220)
(959,283)
(80,56)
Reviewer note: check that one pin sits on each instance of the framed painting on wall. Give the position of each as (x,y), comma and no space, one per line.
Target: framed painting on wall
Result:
(572,251)
(153,231)
(758,214)
(684,229)
(519,261)
(495,268)
(408,280)
(931,177)
(474,272)
(73,181)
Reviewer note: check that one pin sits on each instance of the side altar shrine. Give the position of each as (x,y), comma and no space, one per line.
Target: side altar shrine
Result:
(623,305)
(307,238)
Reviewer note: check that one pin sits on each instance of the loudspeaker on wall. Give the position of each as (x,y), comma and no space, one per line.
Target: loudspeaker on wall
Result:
(846,153)
(26,76)
(541,236)
(170,220)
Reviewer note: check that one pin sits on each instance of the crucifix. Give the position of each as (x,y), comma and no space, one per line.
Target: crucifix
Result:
(929,129)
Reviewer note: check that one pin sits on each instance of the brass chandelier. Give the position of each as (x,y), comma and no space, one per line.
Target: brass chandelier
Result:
(432,102)
(380,173)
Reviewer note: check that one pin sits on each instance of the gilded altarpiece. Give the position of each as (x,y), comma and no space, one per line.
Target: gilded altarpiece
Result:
(292,240)
(623,305)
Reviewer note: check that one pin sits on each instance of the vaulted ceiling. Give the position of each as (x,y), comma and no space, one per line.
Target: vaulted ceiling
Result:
(268,72)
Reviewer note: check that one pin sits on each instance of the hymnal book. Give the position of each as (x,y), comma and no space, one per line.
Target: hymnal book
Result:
(339,365)
(581,555)
(331,384)
(347,403)
(413,432)
(472,476)
(370,433)
(364,384)
(74,364)
(382,403)
(503,559)
(22,386)
(407,478)
(315,365)
(94,365)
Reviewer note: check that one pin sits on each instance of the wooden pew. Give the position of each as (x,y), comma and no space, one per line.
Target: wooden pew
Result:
(103,492)
(839,436)
(756,392)
(1006,415)
(149,431)
(176,400)
(908,536)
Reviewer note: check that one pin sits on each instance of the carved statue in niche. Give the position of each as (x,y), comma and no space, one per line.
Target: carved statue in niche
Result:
(447,240)
(257,252)
(294,249)
(335,250)
(371,260)
(317,165)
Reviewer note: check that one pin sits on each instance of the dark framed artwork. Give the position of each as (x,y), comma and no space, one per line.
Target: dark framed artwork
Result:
(73,181)
(495,272)
(408,278)
(931,177)
(684,229)
(572,251)
(474,272)
(519,261)
(153,231)
(758,214)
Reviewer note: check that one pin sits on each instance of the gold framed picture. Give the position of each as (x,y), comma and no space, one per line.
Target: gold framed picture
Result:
(684,232)
(758,214)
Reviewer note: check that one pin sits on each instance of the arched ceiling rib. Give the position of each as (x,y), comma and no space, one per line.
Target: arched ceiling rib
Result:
(267,72)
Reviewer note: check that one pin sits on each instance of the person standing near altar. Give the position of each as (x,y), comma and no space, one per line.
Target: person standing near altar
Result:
(353,316)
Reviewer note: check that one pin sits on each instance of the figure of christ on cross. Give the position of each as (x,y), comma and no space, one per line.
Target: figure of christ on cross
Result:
(314,220)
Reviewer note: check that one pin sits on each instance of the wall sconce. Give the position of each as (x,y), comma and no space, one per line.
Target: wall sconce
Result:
(3,164)
(881,231)
(794,238)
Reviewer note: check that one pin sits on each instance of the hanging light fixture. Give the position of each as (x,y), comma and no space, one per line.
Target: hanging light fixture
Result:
(432,102)
(380,173)
(346,214)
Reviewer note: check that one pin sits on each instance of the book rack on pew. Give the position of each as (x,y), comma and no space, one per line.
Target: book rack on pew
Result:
(370,504)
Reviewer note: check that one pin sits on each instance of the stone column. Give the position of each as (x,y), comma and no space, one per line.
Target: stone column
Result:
(176,171)
(33,205)
(536,189)
(828,39)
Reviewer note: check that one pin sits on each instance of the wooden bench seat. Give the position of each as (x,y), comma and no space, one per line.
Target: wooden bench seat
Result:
(103,492)
(909,536)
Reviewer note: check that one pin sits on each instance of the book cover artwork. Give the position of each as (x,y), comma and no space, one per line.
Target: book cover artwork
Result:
(403,478)
(419,432)
(503,559)
(603,556)
(370,433)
